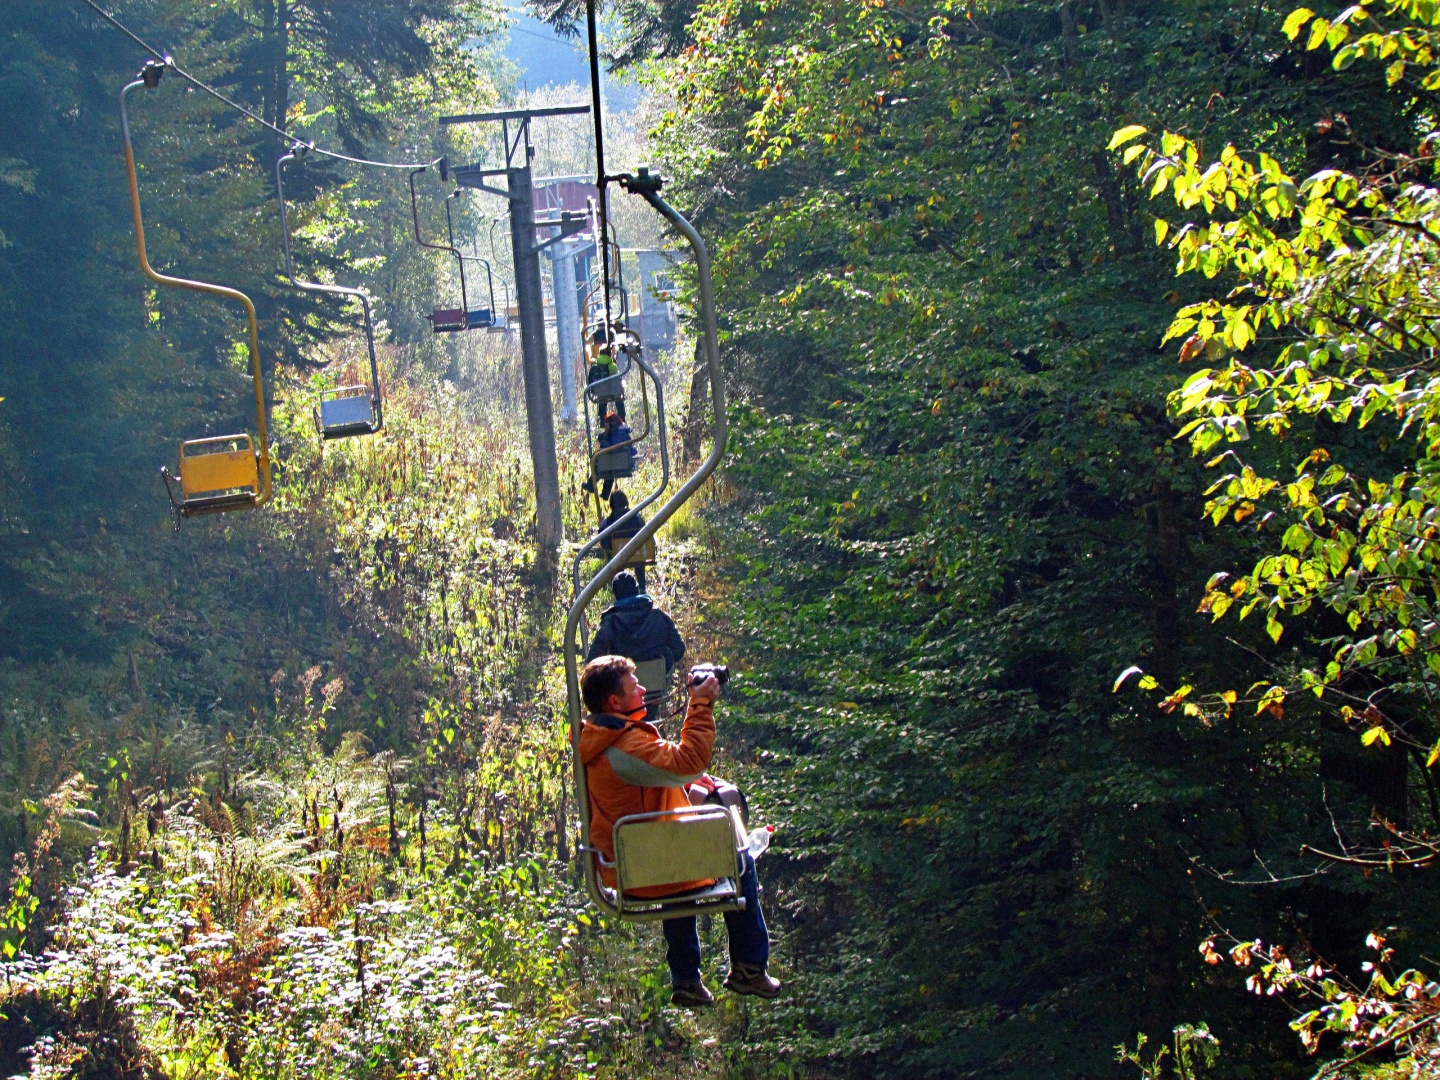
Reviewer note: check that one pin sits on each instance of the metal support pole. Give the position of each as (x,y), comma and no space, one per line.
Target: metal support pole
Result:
(539,415)
(567,324)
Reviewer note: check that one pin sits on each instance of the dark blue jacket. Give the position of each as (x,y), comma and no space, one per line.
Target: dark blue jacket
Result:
(636,628)
(617,539)
(620,434)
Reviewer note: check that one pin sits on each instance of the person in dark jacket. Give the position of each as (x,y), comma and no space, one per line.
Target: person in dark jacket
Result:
(634,627)
(615,433)
(602,352)
(619,507)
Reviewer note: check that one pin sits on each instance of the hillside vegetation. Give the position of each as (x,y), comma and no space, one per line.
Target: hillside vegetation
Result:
(1082,610)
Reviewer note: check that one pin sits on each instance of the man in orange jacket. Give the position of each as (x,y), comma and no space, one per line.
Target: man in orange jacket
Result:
(630,769)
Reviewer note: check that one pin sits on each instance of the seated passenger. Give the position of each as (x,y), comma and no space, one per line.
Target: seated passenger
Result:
(634,627)
(614,433)
(630,769)
(619,507)
(602,352)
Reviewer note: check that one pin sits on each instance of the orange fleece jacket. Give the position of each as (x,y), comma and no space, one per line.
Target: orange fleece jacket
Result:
(630,769)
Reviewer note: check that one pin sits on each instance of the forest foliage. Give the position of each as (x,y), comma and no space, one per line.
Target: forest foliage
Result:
(1090,692)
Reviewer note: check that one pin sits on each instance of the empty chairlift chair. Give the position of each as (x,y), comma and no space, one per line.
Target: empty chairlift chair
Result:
(449,320)
(347,410)
(229,472)
(216,475)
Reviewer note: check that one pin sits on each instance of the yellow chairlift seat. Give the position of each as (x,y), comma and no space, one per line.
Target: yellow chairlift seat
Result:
(216,475)
(675,847)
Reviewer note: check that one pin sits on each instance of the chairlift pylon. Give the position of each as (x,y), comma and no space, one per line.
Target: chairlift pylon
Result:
(344,411)
(217,474)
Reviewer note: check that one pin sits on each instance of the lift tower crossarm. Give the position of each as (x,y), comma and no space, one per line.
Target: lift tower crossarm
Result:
(516,114)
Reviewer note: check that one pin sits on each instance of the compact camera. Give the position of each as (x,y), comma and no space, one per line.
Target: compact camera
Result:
(700,672)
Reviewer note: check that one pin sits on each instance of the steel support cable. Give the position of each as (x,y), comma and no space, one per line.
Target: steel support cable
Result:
(169,62)
(602,181)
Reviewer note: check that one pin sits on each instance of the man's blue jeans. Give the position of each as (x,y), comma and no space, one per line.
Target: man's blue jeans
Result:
(749,939)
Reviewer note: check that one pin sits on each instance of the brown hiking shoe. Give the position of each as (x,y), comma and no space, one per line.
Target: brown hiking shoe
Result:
(693,996)
(751,979)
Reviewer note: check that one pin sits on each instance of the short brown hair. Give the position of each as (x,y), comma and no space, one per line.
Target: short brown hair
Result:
(602,679)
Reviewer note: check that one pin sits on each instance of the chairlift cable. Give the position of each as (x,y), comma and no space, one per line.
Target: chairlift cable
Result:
(169,61)
(602,181)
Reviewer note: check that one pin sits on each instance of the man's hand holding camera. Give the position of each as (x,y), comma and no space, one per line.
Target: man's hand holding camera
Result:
(706,681)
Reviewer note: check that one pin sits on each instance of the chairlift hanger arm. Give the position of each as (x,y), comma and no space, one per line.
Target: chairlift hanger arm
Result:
(459,257)
(296,152)
(150,78)
(419,239)
(647,187)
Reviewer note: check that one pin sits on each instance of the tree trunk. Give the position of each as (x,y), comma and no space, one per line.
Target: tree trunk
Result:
(267,52)
(1167,557)
(1115,214)
(282,63)
(275,86)
(1069,34)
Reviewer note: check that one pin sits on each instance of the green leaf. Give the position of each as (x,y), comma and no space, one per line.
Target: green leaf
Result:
(1126,134)
(1295,20)
(1374,735)
(1162,229)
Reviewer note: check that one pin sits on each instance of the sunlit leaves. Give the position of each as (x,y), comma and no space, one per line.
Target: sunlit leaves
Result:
(1337,269)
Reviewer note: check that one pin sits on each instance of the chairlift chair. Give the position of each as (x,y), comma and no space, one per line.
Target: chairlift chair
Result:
(348,410)
(672,847)
(700,843)
(228,472)
(449,320)
(216,475)
(654,675)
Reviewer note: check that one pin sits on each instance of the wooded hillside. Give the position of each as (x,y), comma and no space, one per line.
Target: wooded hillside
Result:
(1071,550)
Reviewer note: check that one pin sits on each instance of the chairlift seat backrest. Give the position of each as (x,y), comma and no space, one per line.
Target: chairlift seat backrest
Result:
(676,847)
(448,320)
(218,474)
(480,319)
(346,411)
(653,675)
(610,388)
(644,555)
(615,464)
